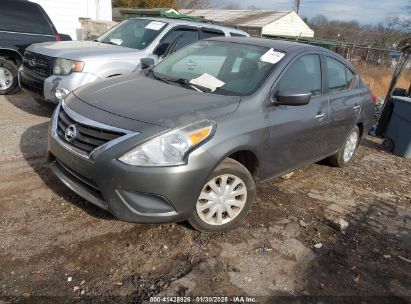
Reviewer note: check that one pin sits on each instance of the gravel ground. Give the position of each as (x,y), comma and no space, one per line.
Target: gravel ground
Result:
(56,247)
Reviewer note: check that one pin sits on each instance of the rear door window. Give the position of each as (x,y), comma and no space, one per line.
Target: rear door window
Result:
(25,17)
(337,79)
(187,37)
(303,75)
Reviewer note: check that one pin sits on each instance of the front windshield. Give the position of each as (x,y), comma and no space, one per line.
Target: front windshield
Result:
(221,67)
(134,33)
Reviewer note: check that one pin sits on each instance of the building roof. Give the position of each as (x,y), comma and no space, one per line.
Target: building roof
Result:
(249,18)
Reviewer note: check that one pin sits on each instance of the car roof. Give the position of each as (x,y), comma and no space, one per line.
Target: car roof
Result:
(283,45)
(280,45)
(194,23)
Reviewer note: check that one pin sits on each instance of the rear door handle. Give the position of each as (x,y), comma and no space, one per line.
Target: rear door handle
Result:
(320,116)
(356,107)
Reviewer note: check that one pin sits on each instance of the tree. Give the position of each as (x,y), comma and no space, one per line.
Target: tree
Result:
(319,20)
(144,3)
(232,5)
(177,4)
(382,35)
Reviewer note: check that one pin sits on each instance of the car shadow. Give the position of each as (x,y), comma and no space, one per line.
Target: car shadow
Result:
(373,143)
(33,145)
(20,100)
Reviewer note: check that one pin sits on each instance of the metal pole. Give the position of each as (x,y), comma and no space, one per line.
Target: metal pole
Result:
(297,6)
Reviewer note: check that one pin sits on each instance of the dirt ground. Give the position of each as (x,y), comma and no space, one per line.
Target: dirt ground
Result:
(57,248)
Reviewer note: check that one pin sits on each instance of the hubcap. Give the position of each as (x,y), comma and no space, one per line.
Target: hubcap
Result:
(350,146)
(6,78)
(222,199)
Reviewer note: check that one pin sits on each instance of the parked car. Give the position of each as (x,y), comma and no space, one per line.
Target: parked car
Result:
(190,142)
(64,67)
(21,23)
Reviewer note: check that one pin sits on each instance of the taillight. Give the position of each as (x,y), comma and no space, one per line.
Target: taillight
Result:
(373,98)
(58,37)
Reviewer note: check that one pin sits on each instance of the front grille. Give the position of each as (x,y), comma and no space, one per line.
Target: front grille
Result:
(38,64)
(88,137)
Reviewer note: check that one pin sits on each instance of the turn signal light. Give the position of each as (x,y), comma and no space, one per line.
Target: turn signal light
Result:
(198,135)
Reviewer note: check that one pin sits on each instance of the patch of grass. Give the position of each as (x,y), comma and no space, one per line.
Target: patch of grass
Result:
(378,78)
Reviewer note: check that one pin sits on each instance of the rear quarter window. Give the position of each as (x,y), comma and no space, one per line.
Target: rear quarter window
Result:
(25,17)
(351,79)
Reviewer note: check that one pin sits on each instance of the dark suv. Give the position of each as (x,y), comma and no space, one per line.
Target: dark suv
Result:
(22,23)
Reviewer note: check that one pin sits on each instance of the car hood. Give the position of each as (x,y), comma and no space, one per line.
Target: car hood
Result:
(81,50)
(141,98)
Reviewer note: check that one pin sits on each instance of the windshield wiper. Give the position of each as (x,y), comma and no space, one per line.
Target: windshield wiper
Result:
(191,85)
(182,81)
(163,79)
(105,42)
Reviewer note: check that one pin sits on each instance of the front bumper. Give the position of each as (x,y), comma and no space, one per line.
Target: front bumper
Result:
(134,194)
(45,88)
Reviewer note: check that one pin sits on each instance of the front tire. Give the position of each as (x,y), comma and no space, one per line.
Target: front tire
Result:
(8,77)
(225,199)
(346,152)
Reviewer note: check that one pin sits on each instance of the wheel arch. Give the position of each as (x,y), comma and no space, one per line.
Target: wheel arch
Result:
(245,156)
(14,55)
(360,126)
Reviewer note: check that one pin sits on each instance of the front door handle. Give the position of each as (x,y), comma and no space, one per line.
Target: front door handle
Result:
(320,116)
(356,107)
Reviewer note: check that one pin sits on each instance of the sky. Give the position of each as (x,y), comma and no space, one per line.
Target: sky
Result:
(364,11)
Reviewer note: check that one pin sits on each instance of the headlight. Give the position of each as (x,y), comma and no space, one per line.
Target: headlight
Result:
(171,148)
(66,66)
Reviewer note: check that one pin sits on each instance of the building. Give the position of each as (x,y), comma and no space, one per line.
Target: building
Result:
(65,14)
(257,23)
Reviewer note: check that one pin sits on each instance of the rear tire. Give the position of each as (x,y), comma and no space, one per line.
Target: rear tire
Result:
(8,77)
(347,151)
(218,211)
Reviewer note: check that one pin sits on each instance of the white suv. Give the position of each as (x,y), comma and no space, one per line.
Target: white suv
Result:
(51,70)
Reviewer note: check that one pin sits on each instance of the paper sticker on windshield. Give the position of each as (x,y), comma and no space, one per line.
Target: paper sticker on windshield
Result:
(155,25)
(272,56)
(208,81)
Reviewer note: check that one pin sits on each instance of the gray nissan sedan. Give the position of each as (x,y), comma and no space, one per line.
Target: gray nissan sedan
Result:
(191,137)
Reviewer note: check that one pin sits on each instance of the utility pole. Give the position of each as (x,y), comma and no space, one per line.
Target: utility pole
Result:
(297,6)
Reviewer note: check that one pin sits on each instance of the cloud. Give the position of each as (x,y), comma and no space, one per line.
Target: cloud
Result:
(363,11)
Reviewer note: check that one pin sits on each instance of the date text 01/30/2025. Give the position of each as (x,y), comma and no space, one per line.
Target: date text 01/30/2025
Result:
(238,299)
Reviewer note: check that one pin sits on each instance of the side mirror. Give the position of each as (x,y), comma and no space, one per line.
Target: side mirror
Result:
(146,63)
(292,97)
(161,48)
